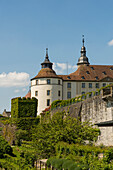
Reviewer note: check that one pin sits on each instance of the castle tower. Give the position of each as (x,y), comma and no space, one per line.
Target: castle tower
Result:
(46,86)
(83,60)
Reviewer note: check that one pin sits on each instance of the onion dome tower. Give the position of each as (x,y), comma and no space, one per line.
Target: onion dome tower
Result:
(83,60)
(47,63)
(46,70)
(46,86)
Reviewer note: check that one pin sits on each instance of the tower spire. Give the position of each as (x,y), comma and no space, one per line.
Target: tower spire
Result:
(47,63)
(83,40)
(46,53)
(83,60)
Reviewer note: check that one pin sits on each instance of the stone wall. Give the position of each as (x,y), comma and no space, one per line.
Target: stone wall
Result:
(95,110)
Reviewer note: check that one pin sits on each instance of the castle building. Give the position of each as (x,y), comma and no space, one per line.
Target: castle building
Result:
(47,86)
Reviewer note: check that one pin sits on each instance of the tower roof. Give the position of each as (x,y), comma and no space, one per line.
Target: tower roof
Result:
(47,63)
(46,73)
(83,59)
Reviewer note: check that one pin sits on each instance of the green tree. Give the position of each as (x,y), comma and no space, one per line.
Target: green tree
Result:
(5,148)
(61,128)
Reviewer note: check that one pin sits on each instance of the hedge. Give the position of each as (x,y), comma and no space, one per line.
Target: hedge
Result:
(22,107)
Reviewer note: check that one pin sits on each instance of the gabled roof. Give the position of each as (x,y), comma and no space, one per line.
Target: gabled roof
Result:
(91,73)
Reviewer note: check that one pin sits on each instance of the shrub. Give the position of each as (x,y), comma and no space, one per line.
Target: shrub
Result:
(5,148)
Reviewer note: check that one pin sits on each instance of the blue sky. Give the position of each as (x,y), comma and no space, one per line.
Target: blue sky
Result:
(27,27)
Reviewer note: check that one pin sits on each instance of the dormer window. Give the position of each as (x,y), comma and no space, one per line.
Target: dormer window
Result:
(87,72)
(104,72)
(111,68)
(68,77)
(82,77)
(96,77)
(92,68)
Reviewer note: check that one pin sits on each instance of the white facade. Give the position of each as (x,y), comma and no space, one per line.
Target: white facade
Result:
(47,86)
(46,93)
(53,91)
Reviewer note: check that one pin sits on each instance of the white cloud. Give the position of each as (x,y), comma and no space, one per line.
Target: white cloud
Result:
(13,79)
(110,43)
(16,91)
(61,68)
(24,89)
(74,67)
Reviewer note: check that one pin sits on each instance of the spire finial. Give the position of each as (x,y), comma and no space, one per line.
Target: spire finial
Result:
(83,39)
(47,52)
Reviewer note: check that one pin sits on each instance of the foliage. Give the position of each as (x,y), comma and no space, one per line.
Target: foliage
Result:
(20,135)
(22,107)
(22,158)
(108,155)
(60,128)
(1,115)
(84,156)
(62,103)
(30,158)
(64,149)
(5,148)
(65,164)
(12,163)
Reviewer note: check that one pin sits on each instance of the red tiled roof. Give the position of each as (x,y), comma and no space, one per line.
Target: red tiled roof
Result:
(28,95)
(83,73)
(46,72)
(91,73)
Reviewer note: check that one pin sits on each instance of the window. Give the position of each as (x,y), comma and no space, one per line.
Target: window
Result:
(97,85)
(87,72)
(90,94)
(104,84)
(90,85)
(69,95)
(36,93)
(83,85)
(59,93)
(92,68)
(83,92)
(48,92)
(96,77)
(69,77)
(68,85)
(48,81)
(58,81)
(82,77)
(104,72)
(36,82)
(96,94)
(108,79)
(48,102)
